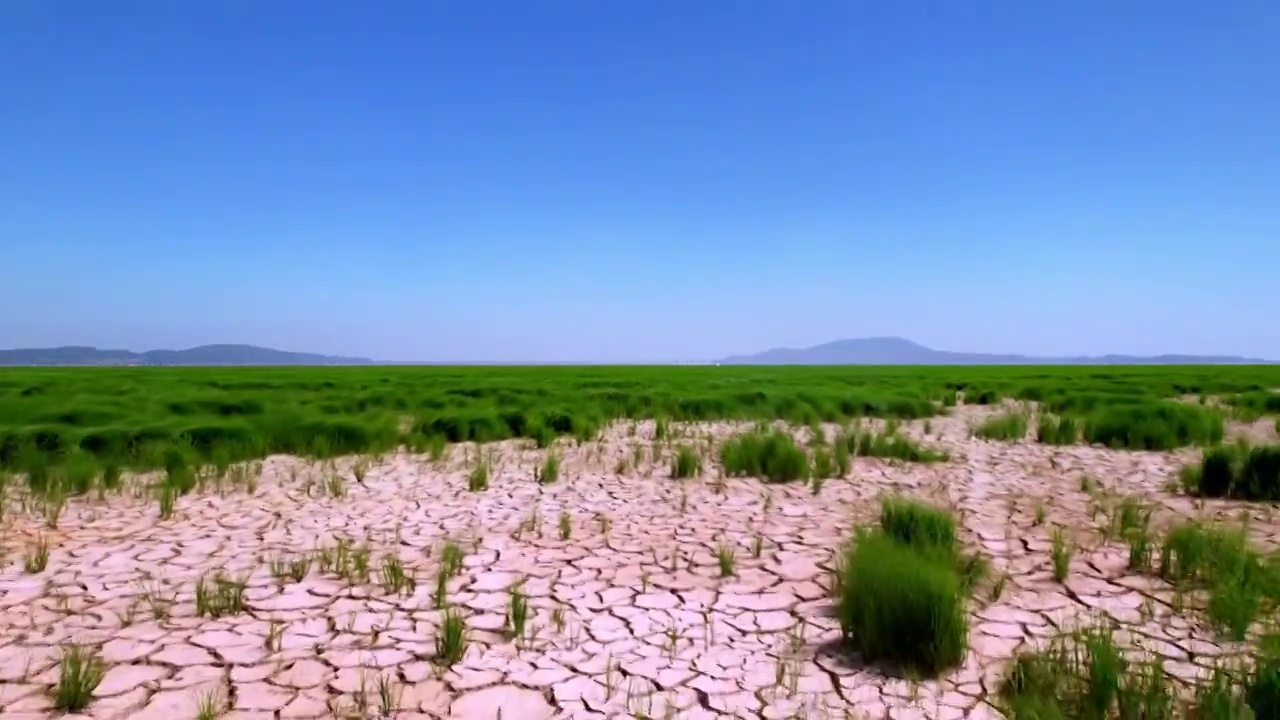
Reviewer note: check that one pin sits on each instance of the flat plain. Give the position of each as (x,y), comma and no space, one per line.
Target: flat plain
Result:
(1031,542)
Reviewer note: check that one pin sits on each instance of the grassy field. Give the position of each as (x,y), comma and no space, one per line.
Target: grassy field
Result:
(134,417)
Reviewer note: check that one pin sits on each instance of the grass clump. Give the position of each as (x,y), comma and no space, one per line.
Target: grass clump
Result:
(686,463)
(1086,675)
(890,444)
(771,455)
(1153,426)
(1060,553)
(1005,426)
(900,590)
(478,478)
(898,606)
(726,559)
(451,641)
(517,611)
(1055,430)
(1239,472)
(219,596)
(549,471)
(38,559)
(79,673)
(1240,581)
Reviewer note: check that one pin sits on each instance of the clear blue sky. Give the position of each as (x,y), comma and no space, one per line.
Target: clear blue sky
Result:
(656,180)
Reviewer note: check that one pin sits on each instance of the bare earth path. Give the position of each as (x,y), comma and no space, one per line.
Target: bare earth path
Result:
(631,615)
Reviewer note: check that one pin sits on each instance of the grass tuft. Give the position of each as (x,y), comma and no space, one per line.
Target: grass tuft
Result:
(79,673)
(1239,472)
(890,444)
(1054,430)
(900,589)
(550,470)
(1005,426)
(1241,582)
(900,606)
(771,455)
(451,640)
(686,463)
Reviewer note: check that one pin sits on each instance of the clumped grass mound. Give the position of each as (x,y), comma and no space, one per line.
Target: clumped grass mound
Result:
(890,444)
(1153,426)
(1005,426)
(900,590)
(686,463)
(1054,430)
(1240,472)
(772,455)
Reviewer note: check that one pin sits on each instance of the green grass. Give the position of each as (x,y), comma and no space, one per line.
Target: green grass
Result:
(897,606)
(58,424)
(900,590)
(890,444)
(769,454)
(451,638)
(1005,426)
(79,673)
(1153,426)
(1054,430)
(686,463)
(1086,675)
(549,471)
(1242,583)
(1240,472)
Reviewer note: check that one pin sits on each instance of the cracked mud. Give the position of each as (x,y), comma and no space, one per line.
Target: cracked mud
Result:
(630,616)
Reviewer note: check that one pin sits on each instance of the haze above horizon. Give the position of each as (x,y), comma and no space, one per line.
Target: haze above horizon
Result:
(664,181)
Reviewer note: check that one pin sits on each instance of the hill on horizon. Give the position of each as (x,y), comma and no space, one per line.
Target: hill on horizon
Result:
(900,351)
(202,355)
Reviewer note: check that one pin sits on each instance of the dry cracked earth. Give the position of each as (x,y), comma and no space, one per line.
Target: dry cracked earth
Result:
(631,615)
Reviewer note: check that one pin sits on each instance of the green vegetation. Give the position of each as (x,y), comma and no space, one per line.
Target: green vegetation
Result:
(1054,430)
(1153,426)
(79,673)
(772,455)
(74,427)
(1086,675)
(890,444)
(686,463)
(1005,426)
(1240,472)
(549,471)
(900,590)
(1242,583)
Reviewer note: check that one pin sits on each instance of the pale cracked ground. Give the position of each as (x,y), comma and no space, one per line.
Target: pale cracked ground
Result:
(649,626)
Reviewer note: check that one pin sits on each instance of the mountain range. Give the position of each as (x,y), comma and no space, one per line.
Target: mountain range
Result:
(898,351)
(861,351)
(203,355)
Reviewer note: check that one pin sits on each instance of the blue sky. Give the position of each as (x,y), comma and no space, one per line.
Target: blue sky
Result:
(643,181)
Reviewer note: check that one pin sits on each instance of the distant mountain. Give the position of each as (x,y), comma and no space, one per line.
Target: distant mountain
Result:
(897,351)
(203,355)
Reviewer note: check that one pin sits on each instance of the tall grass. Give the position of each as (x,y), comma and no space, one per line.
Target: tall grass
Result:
(890,444)
(1240,472)
(1054,430)
(900,590)
(771,455)
(59,421)
(686,463)
(1087,675)
(1005,426)
(1153,426)
(1241,582)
